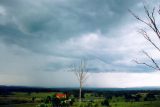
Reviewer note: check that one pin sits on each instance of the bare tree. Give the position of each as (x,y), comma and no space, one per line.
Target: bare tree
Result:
(81,73)
(151,23)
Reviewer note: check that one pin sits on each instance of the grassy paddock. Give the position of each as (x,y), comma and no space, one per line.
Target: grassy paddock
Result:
(9,101)
(19,105)
(136,104)
(22,99)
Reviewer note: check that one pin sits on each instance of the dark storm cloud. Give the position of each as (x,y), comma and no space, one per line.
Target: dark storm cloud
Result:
(65,28)
(32,24)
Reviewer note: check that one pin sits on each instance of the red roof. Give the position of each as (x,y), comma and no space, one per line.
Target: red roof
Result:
(59,95)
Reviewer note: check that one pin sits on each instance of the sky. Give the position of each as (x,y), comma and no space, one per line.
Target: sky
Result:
(41,39)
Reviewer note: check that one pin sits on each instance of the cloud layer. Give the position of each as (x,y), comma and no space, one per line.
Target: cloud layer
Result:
(47,36)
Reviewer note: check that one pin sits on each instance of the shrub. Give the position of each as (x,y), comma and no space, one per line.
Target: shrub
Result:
(97,105)
(105,103)
(89,104)
(42,105)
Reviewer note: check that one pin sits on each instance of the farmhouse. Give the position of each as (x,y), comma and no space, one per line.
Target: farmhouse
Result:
(60,95)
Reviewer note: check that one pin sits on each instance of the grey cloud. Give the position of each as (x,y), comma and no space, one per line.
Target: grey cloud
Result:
(39,22)
(45,36)
(42,27)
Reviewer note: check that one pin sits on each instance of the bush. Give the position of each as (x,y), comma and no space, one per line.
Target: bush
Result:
(56,102)
(90,104)
(105,103)
(42,105)
(48,100)
(150,97)
(97,105)
(81,105)
(72,101)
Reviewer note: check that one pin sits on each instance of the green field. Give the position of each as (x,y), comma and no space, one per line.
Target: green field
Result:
(130,104)
(20,99)
(19,105)
(136,104)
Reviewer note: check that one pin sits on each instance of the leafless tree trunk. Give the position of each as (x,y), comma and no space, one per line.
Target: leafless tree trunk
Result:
(82,75)
(152,24)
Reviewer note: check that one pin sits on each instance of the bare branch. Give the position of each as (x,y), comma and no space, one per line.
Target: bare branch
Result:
(153,15)
(143,63)
(159,10)
(138,18)
(153,61)
(156,67)
(151,23)
(146,36)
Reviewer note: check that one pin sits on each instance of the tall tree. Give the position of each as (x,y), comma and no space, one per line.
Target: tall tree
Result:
(151,23)
(81,73)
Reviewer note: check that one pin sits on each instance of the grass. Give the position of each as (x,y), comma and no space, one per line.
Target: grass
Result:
(118,104)
(115,102)
(136,104)
(30,95)
(22,99)
(19,105)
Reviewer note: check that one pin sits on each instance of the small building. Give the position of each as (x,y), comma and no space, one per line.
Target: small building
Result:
(60,95)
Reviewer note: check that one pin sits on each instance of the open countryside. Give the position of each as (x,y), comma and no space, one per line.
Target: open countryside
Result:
(79,53)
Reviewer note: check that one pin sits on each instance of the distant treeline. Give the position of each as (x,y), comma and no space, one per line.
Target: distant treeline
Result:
(9,89)
(98,92)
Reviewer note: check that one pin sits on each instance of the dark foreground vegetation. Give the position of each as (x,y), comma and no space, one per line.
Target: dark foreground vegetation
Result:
(68,97)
